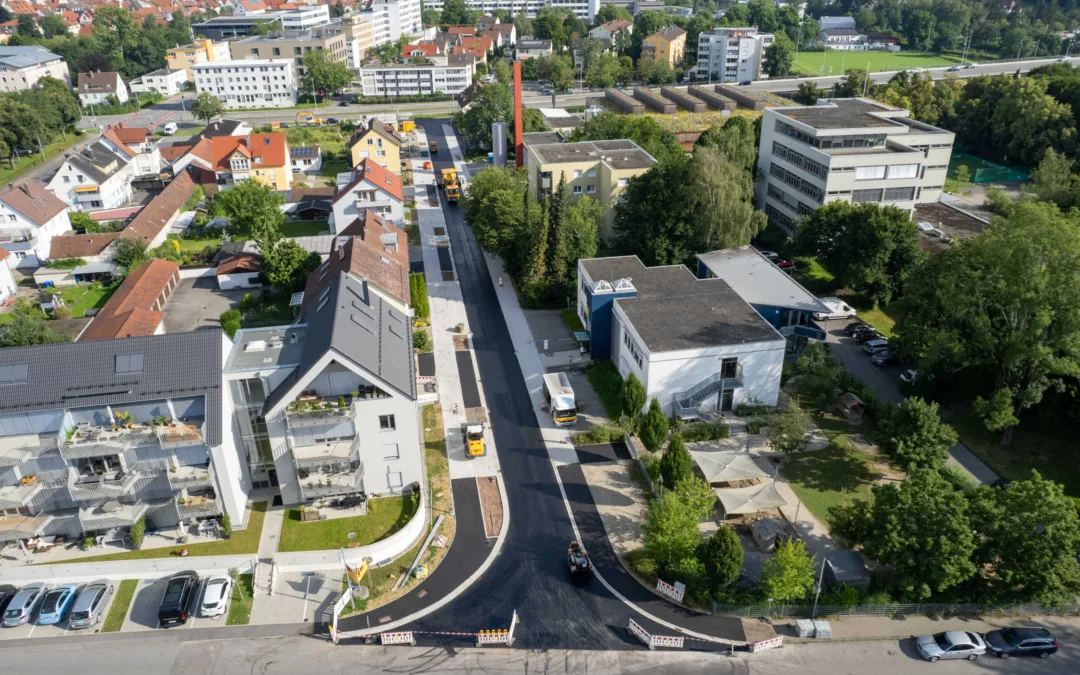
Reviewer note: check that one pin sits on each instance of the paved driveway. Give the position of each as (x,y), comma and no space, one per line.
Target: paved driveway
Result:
(197,303)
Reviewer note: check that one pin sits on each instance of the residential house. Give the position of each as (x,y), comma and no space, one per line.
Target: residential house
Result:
(94,178)
(531,48)
(97,88)
(667,44)
(138,144)
(306,159)
(381,258)
(8,287)
(164,81)
(151,225)
(507,33)
(199,52)
(608,31)
(22,67)
(697,347)
(137,308)
(248,7)
(844,39)
(30,218)
(262,157)
(96,251)
(368,186)
(420,50)
(99,435)
(251,83)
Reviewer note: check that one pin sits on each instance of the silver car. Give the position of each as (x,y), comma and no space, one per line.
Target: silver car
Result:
(874,346)
(215,597)
(953,644)
(22,606)
(90,604)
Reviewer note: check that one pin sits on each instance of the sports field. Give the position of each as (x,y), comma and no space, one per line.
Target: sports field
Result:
(835,62)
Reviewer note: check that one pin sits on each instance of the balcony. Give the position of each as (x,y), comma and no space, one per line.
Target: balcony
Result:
(311,458)
(347,479)
(308,415)
(177,435)
(197,507)
(189,477)
(18,240)
(21,494)
(112,485)
(15,450)
(111,515)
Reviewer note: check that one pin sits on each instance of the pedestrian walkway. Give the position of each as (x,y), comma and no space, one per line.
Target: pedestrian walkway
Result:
(299,597)
(1064,628)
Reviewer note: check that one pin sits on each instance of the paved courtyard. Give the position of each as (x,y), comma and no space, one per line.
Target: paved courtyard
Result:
(197,303)
(299,597)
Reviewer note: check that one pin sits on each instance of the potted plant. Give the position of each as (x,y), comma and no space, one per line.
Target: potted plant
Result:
(355,394)
(341,402)
(172,468)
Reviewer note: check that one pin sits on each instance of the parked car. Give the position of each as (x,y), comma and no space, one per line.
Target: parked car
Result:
(568,90)
(885,358)
(874,346)
(56,604)
(953,644)
(333,120)
(215,597)
(1021,641)
(855,327)
(772,256)
(786,265)
(745,83)
(864,336)
(1064,59)
(971,65)
(489,78)
(296,169)
(22,606)
(838,309)
(175,605)
(169,129)
(6,594)
(916,70)
(909,375)
(90,605)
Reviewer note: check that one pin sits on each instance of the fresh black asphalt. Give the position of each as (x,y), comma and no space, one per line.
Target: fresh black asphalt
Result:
(603,452)
(470,390)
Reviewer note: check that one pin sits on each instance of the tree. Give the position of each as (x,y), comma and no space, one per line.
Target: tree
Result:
(632,396)
(808,93)
(779,56)
(788,431)
(921,529)
(788,574)
(643,130)
(654,427)
(130,253)
(28,327)
(323,76)
(266,27)
(652,221)
(287,266)
(254,212)
(207,107)
(722,556)
(602,72)
(918,438)
(676,465)
(735,139)
(1001,310)
(456,13)
(963,174)
(867,247)
(608,13)
(670,530)
(1051,181)
(25,26)
(502,73)
(1027,540)
(53,26)
(720,194)
(560,72)
(856,83)
(419,295)
(493,103)
(581,226)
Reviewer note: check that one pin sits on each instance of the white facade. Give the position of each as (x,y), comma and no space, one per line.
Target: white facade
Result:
(365,195)
(584,9)
(147,159)
(394,18)
(307,16)
(359,31)
(731,54)
(256,83)
(22,67)
(101,97)
(877,155)
(231,282)
(166,82)
(92,187)
(8,287)
(28,242)
(413,80)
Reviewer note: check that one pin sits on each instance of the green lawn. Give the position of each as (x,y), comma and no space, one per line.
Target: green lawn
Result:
(115,619)
(607,383)
(328,138)
(814,277)
(274,312)
(809,63)
(243,596)
(570,318)
(385,517)
(879,318)
(826,478)
(85,296)
(304,228)
(196,245)
(242,541)
(332,168)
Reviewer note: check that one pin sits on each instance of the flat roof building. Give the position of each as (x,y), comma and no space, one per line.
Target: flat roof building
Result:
(291,45)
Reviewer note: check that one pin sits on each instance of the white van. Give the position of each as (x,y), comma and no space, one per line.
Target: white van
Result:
(838,309)
(169,129)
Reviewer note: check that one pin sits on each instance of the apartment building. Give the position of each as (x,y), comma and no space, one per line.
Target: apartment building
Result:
(368,187)
(856,150)
(228,27)
(667,44)
(446,74)
(97,88)
(731,54)
(393,18)
(30,216)
(96,436)
(94,178)
(196,53)
(597,169)
(252,83)
(166,81)
(291,45)
(359,31)
(262,157)
(22,67)
(583,9)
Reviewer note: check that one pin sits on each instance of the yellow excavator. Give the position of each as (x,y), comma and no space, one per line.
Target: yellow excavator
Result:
(449,182)
(308,117)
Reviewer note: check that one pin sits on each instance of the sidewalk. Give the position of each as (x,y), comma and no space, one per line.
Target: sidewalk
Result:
(884,628)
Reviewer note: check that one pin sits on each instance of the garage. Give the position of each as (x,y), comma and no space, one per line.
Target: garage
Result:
(241,270)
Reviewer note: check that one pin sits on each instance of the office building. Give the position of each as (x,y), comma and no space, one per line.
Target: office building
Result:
(583,9)
(291,45)
(731,54)
(449,74)
(856,150)
(394,18)
(197,53)
(22,67)
(258,83)
(359,31)
(229,27)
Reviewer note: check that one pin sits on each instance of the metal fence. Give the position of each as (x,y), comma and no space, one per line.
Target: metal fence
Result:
(805,611)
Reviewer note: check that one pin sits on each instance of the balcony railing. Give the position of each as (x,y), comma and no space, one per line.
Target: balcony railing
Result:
(103,486)
(310,418)
(198,507)
(189,477)
(24,449)
(16,236)
(180,435)
(100,441)
(29,487)
(346,481)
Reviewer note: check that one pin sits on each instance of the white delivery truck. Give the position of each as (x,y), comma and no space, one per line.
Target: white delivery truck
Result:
(838,309)
(559,399)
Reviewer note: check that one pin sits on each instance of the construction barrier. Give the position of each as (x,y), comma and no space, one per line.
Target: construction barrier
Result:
(405,637)
(499,636)
(771,643)
(677,591)
(654,641)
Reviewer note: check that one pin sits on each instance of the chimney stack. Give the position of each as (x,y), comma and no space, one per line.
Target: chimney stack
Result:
(519,144)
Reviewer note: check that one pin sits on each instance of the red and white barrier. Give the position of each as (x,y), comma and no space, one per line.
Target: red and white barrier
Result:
(404,637)
(640,633)
(654,641)
(676,591)
(675,642)
(771,643)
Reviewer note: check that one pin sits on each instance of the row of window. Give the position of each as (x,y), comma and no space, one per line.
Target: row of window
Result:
(803,162)
(902,194)
(808,189)
(635,353)
(862,141)
(777,216)
(890,172)
(789,201)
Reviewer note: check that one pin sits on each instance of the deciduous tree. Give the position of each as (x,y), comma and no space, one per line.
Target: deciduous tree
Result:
(254,212)
(808,93)
(632,396)
(207,107)
(788,574)
(779,56)
(789,431)
(288,265)
(676,465)
(722,555)
(917,436)
(323,76)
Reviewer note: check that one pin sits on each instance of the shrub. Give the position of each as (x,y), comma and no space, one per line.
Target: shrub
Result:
(249,301)
(643,564)
(66,263)
(958,478)
(138,529)
(722,557)
(703,431)
(230,328)
(607,433)
(754,426)
(341,402)
(632,396)
(676,465)
(421,340)
(226,525)
(419,295)
(231,315)
(654,427)
(844,596)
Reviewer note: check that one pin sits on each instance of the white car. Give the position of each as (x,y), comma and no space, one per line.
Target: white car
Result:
(215,597)
(971,65)
(1064,59)
(909,375)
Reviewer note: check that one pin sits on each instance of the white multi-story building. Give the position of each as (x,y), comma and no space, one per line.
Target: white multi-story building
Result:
(22,67)
(394,18)
(253,83)
(583,9)
(94,178)
(856,150)
(165,81)
(227,27)
(450,74)
(359,31)
(731,54)
(97,88)
(29,219)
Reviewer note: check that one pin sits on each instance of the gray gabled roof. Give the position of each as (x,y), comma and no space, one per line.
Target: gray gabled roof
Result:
(358,325)
(79,374)
(94,161)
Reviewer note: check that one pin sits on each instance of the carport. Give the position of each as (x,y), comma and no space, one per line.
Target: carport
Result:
(95,271)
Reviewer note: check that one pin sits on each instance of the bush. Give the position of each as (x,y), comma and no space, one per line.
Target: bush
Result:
(754,426)
(231,315)
(722,557)
(607,433)
(703,431)
(375,100)
(676,465)
(632,396)
(654,427)
(230,328)
(249,301)
(844,596)
(421,340)
(138,529)
(65,263)
(958,478)
(643,565)
(226,525)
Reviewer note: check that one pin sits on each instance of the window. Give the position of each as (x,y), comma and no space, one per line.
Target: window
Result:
(14,374)
(577,173)
(899,194)
(869,172)
(387,423)
(591,189)
(129,363)
(577,189)
(67,179)
(390,451)
(591,173)
(904,171)
(859,196)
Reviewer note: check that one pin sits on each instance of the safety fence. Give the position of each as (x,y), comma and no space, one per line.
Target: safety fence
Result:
(483,638)
(896,609)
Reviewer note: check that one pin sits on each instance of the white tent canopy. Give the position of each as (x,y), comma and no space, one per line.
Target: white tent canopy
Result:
(751,499)
(722,467)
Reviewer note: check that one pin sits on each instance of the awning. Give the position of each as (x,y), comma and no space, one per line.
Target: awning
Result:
(581,336)
(722,467)
(752,499)
(96,268)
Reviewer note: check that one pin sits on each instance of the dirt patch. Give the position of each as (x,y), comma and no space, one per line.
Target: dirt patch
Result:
(491,503)
(447,276)
(440,231)
(461,343)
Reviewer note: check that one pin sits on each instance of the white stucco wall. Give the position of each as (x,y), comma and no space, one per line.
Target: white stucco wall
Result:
(228,459)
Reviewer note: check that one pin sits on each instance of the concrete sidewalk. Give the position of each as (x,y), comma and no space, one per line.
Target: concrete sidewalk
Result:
(883,627)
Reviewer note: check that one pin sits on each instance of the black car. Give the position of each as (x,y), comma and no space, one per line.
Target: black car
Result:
(343,104)
(6,594)
(865,336)
(333,120)
(176,605)
(1024,641)
(855,327)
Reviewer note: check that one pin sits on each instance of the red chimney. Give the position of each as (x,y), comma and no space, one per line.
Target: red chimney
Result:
(519,144)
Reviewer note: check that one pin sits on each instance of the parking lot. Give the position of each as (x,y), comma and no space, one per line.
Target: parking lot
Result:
(144,608)
(32,630)
(197,303)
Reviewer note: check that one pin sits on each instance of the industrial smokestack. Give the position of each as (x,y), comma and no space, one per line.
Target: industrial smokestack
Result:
(519,144)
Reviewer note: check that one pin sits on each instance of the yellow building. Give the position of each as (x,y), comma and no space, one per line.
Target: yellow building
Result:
(597,169)
(668,45)
(262,157)
(377,141)
(203,51)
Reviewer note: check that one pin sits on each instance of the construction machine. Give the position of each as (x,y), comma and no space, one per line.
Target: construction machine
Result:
(308,117)
(448,181)
(578,559)
(472,430)
(433,147)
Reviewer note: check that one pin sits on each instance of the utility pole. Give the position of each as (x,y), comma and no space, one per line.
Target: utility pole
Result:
(817,589)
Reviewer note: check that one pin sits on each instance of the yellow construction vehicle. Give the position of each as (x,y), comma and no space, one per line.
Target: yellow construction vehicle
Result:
(308,117)
(433,147)
(449,182)
(407,126)
(472,430)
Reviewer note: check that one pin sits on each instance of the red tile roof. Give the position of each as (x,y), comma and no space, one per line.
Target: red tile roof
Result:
(371,230)
(171,153)
(131,134)
(462,30)
(241,262)
(161,210)
(131,311)
(423,49)
(363,262)
(111,134)
(271,148)
(381,178)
